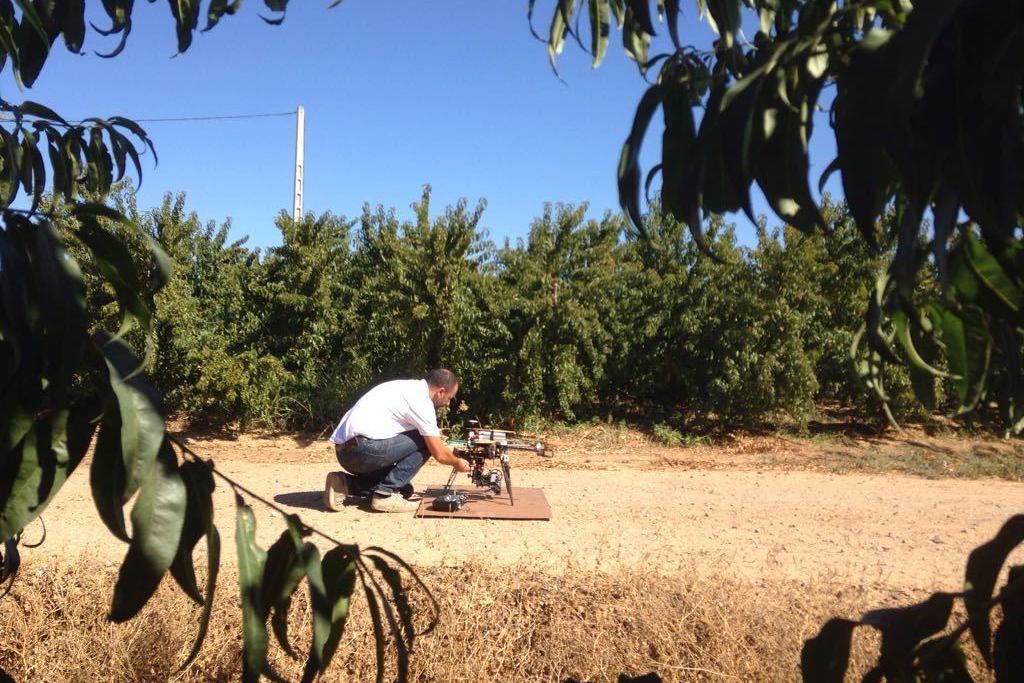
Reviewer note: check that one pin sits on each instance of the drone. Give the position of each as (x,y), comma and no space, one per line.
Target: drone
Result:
(481,445)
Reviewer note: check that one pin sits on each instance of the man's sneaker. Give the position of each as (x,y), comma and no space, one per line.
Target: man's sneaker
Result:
(336,485)
(393,503)
(409,493)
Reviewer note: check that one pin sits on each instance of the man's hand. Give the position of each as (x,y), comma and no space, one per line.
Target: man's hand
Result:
(445,455)
(461,464)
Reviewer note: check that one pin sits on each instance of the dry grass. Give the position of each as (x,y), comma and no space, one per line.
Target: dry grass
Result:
(496,625)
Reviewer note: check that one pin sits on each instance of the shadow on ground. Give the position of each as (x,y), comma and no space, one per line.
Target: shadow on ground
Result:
(311,500)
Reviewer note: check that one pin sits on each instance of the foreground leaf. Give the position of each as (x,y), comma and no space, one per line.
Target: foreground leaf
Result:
(251,560)
(157,520)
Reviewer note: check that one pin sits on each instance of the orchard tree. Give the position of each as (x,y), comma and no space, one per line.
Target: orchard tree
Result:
(65,377)
(427,295)
(565,287)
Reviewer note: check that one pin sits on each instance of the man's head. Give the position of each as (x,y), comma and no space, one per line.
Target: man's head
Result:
(442,385)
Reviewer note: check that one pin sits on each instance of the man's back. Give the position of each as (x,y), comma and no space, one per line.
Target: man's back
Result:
(389,409)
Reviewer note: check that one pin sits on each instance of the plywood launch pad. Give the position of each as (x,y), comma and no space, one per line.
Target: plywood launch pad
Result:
(485,504)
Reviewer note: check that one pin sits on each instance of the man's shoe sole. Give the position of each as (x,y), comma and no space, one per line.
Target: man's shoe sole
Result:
(335,484)
(393,503)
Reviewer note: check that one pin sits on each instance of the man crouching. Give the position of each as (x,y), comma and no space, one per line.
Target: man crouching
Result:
(384,439)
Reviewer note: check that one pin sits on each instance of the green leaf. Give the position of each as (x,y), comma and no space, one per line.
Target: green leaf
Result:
(861,126)
(115,264)
(904,333)
(218,8)
(968,349)
(100,165)
(283,570)
(629,165)
(825,657)
(125,150)
(140,410)
(61,181)
(619,10)
(38,462)
(39,178)
(61,292)
(736,122)
(641,12)
(832,167)
(212,570)
(909,49)
(679,195)
(73,26)
(339,572)
(33,42)
(11,563)
(7,42)
(922,379)
(724,17)
(186,18)
(876,337)
(672,19)
(781,163)
(322,609)
(30,108)
(107,473)
(983,567)
(157,519)
(136,130)
(600,27)
(251,559)
(991,273)
(11,170)
(945,210)
(198,480)
(28,164)
(636,41)
(560,22)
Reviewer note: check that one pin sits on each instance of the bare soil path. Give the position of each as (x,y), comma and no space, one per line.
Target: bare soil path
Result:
(888,531)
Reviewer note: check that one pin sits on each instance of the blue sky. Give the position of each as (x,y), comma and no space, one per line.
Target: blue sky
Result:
(454,93)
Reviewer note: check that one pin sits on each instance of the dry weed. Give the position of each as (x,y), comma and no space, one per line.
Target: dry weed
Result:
(496,625)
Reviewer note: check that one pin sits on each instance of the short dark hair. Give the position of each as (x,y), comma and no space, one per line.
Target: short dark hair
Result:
(443,378)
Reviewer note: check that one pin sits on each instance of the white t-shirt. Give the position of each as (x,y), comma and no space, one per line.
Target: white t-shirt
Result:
(389,409)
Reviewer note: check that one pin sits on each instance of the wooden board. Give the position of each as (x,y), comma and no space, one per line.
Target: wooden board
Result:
(484,504)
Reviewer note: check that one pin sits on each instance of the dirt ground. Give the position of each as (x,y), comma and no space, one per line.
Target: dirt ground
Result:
(758,508)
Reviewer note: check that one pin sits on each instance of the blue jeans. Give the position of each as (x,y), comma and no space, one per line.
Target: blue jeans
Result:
(384,465)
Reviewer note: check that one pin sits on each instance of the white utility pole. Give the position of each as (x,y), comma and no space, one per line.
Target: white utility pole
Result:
(300,125)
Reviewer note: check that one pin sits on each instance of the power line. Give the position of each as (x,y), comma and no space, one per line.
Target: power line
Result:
(172,119)
(215,118)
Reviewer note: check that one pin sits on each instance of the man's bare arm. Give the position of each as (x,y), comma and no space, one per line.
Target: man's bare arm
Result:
(443,454)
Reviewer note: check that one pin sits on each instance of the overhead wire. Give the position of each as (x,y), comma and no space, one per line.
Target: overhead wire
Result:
(175,119)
